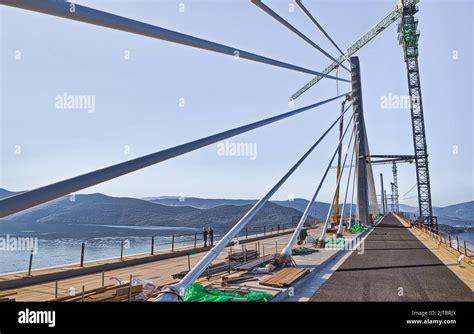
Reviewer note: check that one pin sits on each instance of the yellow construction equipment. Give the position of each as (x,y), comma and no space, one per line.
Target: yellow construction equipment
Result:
(336,217)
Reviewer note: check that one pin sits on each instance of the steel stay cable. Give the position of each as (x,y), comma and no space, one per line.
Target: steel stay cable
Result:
(192,275)
(49,192)
(337,185)
(287,250)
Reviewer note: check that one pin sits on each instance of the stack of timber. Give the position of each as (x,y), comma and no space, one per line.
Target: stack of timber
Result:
(249,265)
(108,293)
(241,256)
(237,278)
(285,277)
(6,296)
(211,270)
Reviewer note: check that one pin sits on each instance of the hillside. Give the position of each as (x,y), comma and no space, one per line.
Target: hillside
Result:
(318,210)
(97,210)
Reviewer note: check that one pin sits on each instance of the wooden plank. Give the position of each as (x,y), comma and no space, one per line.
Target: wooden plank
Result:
(7,293)
(285,277)
(233,280)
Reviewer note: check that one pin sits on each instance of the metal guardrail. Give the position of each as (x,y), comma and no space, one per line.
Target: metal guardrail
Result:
(454,242)
(194,240)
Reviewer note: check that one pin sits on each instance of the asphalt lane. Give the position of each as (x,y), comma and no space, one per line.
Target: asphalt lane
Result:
(395,266)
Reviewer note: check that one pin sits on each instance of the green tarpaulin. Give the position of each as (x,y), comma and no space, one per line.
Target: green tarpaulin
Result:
(357,228)
(197,293)
(302,251)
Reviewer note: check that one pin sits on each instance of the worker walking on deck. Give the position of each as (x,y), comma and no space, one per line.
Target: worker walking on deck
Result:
(204,236)
(302,236)
(211,236)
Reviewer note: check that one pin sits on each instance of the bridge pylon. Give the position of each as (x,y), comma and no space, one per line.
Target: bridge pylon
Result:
(361,164)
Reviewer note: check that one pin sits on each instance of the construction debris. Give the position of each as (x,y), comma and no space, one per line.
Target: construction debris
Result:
(284,277)
(242,256)
(226,280)
(211,270)
(249,265)
(268,268)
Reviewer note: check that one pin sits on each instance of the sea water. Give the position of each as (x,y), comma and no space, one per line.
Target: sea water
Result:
(52,252)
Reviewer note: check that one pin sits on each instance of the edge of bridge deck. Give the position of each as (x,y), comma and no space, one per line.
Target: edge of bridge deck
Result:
(448,255)
(395,266)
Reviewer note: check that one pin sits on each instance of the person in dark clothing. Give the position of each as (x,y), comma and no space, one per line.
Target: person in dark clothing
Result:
(211,236)
(302,236)
(278,228)
(204,236)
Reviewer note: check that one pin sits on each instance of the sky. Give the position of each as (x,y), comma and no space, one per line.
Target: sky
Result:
(150,95)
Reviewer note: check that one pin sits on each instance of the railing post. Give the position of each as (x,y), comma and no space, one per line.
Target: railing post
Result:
(283,227)
(83,246)
(55,289)
(195,240)
(465,248)
(31,263)
(457,242)
(121,249)
(263,250)
(189,262)
(264,230)
(246,233)
(103,278)
(450,240)
(130,289)
(83,291)
(152,245)
(172,243)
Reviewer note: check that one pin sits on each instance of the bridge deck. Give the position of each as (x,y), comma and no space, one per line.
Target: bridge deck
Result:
(395,266)
(159,272)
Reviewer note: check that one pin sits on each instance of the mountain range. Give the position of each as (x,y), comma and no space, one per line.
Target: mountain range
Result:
(98,213)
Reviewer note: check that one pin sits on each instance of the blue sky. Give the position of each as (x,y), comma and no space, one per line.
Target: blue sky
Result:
(137,100)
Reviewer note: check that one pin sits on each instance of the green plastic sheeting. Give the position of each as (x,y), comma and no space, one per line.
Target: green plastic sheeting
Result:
(357,228)
(302,251)
(334,241)
(197,293)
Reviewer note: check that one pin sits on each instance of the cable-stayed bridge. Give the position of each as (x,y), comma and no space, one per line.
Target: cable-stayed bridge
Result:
(354,185)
